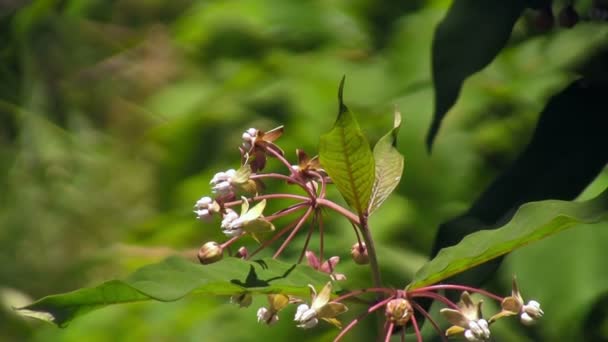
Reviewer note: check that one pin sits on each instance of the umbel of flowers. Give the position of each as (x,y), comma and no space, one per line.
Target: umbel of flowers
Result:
(239,201)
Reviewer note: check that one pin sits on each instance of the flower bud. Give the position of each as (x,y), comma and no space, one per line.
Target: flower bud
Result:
(359,253)
(210,252)
(568,17)
(243,300)
(242,253)
(399,311)
(531,313)
(545,20)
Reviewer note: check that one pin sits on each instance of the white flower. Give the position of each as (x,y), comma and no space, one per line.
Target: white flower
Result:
(231,224)
(205,207)
(221,183)
(531,312)
(478,331)
(467,320)
(249,138)
(514,305)
(267,316)
(306,316)
(320,308)
(276,303)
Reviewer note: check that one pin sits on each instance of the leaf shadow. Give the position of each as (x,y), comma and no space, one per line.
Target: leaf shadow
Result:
(253,280)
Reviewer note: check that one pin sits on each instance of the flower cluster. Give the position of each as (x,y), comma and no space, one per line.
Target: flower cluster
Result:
(244,186)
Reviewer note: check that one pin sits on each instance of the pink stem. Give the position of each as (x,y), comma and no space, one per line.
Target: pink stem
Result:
(323,184)
(358,238)
(402,334)
(359,318)
(273,175)
(458,288)
(434,296)
(269,196)
(277,155)
(286,211)
(293,233)
(430,319)
(416,329)
(359,292)
(320,222)
(389,332)
(230,241)
(274,238)
(308,236)
(340,210)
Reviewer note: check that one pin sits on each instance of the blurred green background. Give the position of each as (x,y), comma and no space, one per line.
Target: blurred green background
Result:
(114,115)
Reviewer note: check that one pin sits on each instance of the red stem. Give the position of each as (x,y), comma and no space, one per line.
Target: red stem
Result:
(434,296)
(274,238)
(308,236)
(430,319)
(416,329)
(269,196)
(458,288)
(389,332)
(293,233)
(230,241)
(320,222)
(340,210)
(360,292)
(286,211)
(360,317)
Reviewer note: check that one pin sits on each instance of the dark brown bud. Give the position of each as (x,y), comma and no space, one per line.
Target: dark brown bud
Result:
(568,17)
(359,253)
(210,252)
(544,20)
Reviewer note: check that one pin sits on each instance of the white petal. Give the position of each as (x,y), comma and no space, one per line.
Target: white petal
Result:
(308,324)
(263,314)
(300,311)
(470,336)
(526,319)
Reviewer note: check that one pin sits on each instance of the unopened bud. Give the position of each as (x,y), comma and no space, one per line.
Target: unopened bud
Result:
(568,17)
(242,299)
(399,311)
(359,253)
(210,252)
(242,253)
(544,20)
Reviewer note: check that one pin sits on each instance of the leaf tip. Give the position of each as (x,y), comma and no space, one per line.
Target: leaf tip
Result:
(342,107)
(40,315)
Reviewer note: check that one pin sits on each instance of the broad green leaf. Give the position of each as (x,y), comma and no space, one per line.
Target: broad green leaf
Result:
(175,278)
(469,37)
(389,165)
(532,222)
(345,155)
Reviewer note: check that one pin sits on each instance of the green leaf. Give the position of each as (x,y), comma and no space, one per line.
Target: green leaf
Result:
(389,165)
(469,37)
(175,278)
(345,155)
(532,222)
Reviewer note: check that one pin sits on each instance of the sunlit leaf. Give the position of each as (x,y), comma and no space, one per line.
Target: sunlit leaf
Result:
(389,166)
(347,158)
(175,278)
(467,39)
(532,222)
